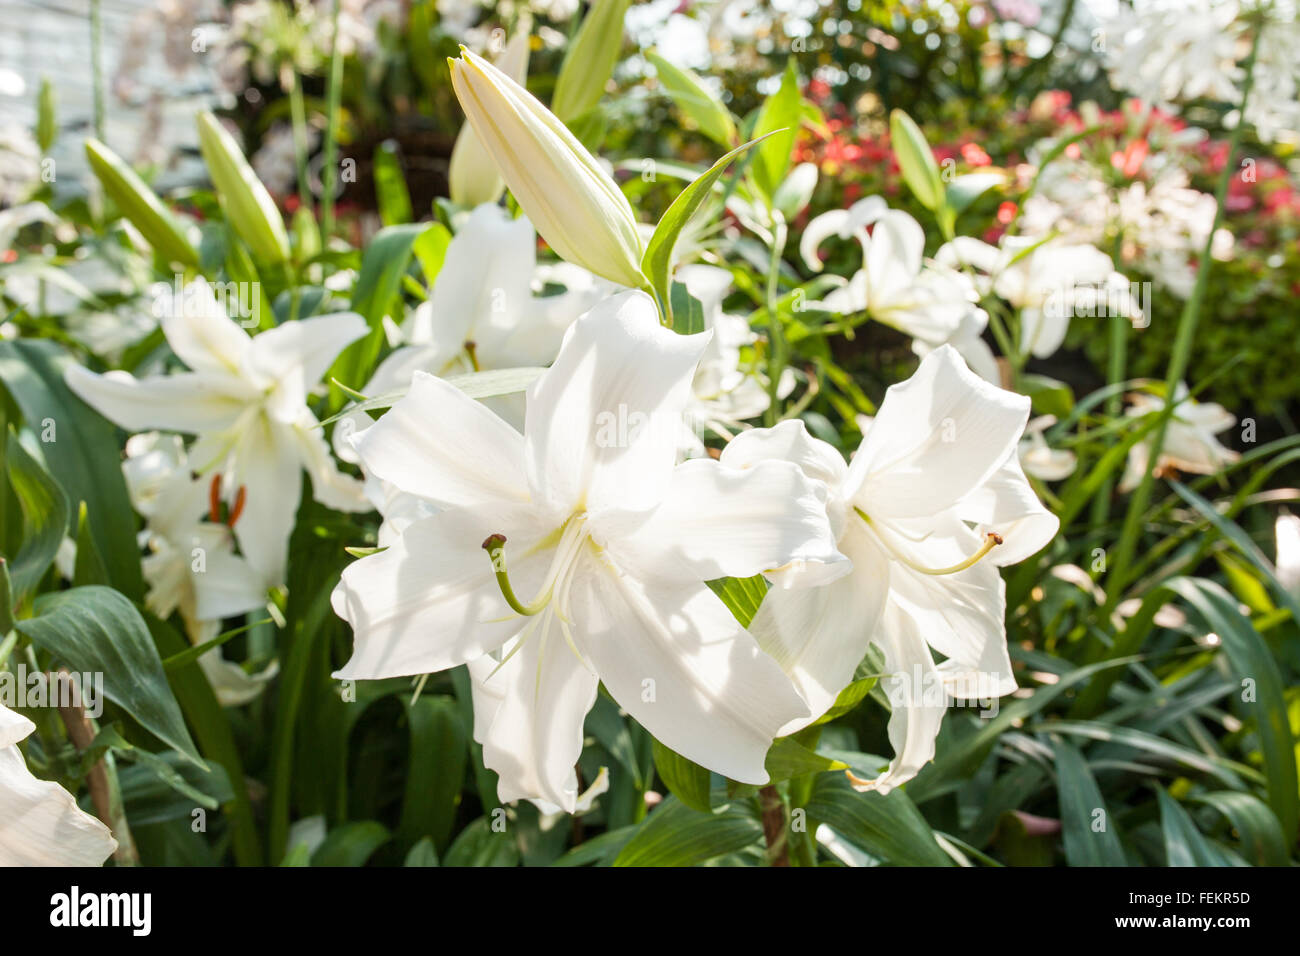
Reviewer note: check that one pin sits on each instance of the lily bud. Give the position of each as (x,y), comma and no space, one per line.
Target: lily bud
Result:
(472,174)
(575,205)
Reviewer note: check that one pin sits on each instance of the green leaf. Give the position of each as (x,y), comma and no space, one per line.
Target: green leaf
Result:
(686,310)
(789,758)
(1049,397)
(390,186)
(89,567)
(1253,665)
(688,781)
(249,208)
(657,261)
(81,449)
(382,266)
(352,844)
(847,699)
(1184,844)
(676,835)
(161,787)
(779,118)
(498,381)
(888,827)
(215,739)
(479,845)
(439,754)
(1080,801)
(697,101)
(741,595)
(590,60)
(422,854)
(431,250)
(1260,835)
(45,516)
(915,160)
(141,206)
(96,630)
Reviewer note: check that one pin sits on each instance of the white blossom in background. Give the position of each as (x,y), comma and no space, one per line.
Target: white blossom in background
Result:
(191,566)
(724,395)
(1190,442)
(929,300)
(1040,460)
(245,397)
(40,822)
(1164,51)
(1047,281)
(932,504)
(586,517)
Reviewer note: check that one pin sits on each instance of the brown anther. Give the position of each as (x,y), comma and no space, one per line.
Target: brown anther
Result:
(997,538)
(238,509)
(214,500)
(493,541)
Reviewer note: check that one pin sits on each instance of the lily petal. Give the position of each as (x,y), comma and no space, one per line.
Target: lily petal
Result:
(678,661)
(603,421)
(431,600)
(188,402)
(939,434)
(439,444)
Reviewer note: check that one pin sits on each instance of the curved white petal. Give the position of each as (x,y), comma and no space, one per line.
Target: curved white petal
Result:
(439,444)
(202,334)
(291,358)
(1006,504)
(819,229)
(678,661)
(226,585)
(820,634)
(787,441)
(40,822)
(728,522)
(916,697)
(940,434)
(961,616)
(233,685)
(268,468)
(535,734)
(893,257)
(603,422)
(431,600)
(330,486)
(191,402)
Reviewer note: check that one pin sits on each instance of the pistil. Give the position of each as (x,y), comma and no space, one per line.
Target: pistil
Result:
(991,540)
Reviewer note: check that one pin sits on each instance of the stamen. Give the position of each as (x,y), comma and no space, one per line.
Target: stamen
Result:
(991,540)
(238,509)
(214,500)
(471,349)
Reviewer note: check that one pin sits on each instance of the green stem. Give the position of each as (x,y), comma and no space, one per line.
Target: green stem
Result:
(97,68)
(776,345)
(298,111)
(329,170)
(1118,578)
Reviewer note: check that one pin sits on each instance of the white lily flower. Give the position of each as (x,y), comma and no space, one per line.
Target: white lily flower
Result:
(1047,281)
(192,566)
(246,400)
(1189,445)
(1038,458)
(932,504)
(574,203)
(897,287)
(40,822)
(610,535)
